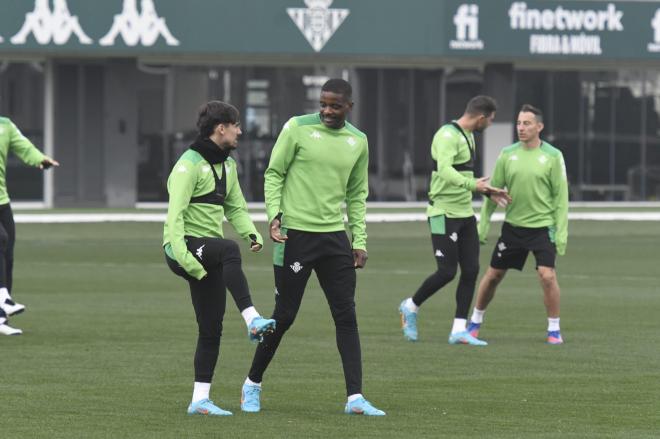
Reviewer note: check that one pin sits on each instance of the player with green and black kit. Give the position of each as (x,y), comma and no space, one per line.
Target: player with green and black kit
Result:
(451,218)
(319,162)
(536,220)
(11,139)
(203,190)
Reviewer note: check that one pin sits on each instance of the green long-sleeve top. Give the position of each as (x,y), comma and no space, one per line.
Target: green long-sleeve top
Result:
(11,139)
(313,169)
(536,181)
(192,177)
(450,192)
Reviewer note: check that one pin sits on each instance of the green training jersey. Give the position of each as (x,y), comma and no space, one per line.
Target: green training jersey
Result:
(450,193)
(536,181)
(192,177)
(11,139)
(313,170)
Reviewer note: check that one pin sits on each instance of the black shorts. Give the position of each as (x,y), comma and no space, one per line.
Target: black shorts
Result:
(455,242)
(515,243)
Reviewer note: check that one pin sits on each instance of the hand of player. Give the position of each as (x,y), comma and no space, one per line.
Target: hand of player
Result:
(501,199)
(561,247)
(254,244)
(483,239)
(275,232)
(359,258)
(482,185)
(47,162)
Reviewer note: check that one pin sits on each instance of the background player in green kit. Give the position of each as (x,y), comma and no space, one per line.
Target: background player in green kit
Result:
(536,220)
(203,189)
(11,139)
(451,218)
(319,162)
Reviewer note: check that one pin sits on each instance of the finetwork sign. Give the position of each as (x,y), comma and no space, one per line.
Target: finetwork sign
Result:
(57,25)
(655,23)
(578,21)
(466,21)
(318,23)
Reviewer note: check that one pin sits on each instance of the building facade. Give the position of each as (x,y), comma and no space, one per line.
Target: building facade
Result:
(111,88)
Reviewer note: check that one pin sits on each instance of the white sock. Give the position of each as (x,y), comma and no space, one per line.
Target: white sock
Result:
(460,325)
(4,294)
(201,391)
(252,383)
(411,305)
(553,324)
(478,315)
(354,396)
(3,320)
(249,314)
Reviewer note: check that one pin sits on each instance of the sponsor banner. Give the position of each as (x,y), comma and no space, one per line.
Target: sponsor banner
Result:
(567,29)
(488,29)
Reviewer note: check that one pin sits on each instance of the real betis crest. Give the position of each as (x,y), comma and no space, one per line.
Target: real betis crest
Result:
(318,23)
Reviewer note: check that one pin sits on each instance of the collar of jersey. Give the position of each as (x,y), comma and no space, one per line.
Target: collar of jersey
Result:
(209,150)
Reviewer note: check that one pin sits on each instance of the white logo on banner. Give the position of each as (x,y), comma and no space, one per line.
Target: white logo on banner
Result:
(577,21)
(466,21)
(57,25)
(318,23)
(655,23)
(134,27)
(1,40)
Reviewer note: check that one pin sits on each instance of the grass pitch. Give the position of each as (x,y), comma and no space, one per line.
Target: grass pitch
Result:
(110,334)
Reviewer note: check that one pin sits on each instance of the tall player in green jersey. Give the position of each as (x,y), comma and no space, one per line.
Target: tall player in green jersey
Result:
(451,218)
(11,139)
(536,220)
(319,162)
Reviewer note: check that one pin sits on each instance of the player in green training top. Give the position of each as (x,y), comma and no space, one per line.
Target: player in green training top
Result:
(319,162)
(536,220)
(451,218)
(11,139)
(203,188)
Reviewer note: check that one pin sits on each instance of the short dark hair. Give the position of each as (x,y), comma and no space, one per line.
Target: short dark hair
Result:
(214,113)
(481,105)
(338,86)
(527,108)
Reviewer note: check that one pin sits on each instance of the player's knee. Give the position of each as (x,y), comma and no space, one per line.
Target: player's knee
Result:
(284,320)
(470,272)
(547,275)
(494,277)
(345,317)
(209,340)
(446,274)
(210,332)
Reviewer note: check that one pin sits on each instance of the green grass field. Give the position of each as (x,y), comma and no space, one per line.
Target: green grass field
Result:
(110,333)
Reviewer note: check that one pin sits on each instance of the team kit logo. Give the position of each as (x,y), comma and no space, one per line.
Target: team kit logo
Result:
(318,23)
(57,25)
